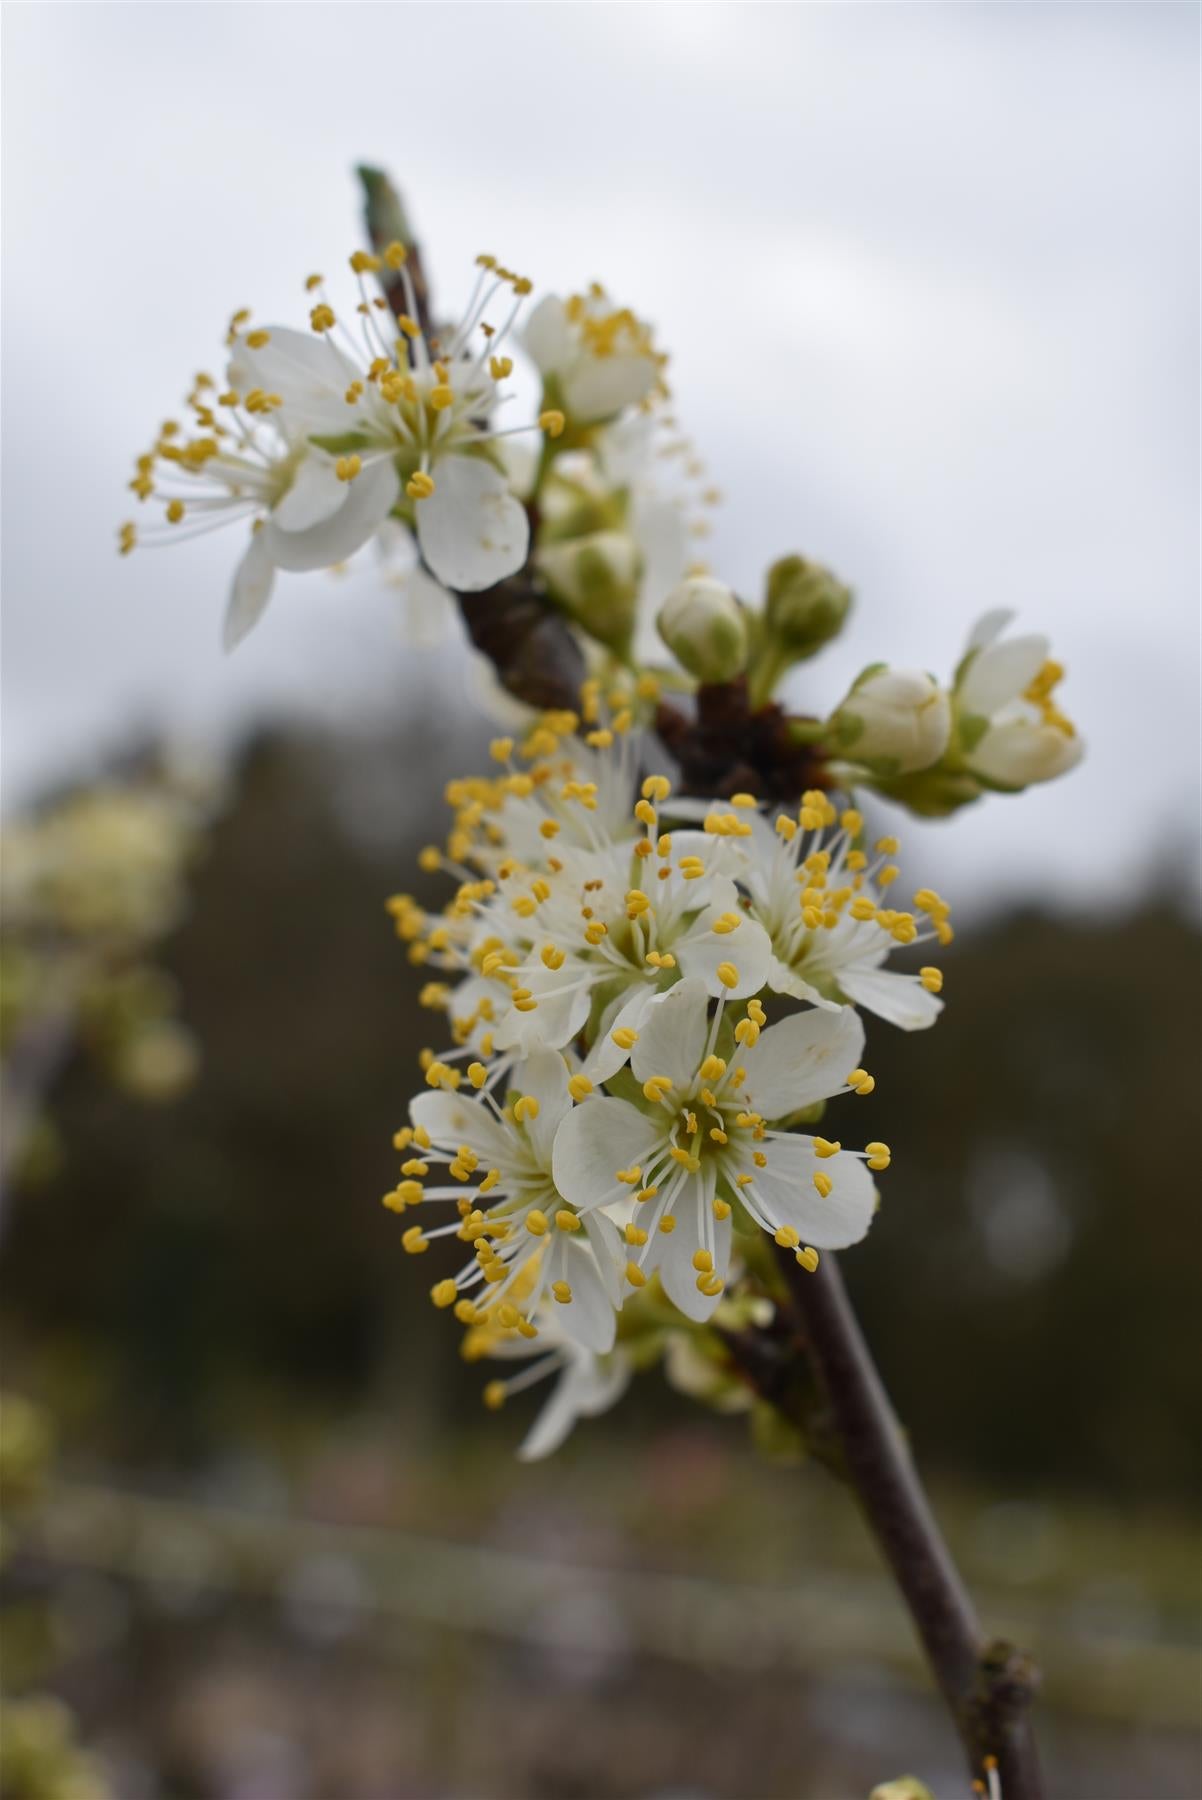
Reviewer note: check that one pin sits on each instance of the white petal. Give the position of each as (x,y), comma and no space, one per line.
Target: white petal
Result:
(784,980)
(597,387)
(672,1037)
(472,531)
(560,1013)
(1015,755)
(786,1189)
(306,369)
(1000,673)
(702,951)
(547,335)
(989,626)
(801,1060)
(251,590)
(369,500)
(589,1317)
(606,1058)
(901,999)
(453,1119)
(544,1077)
(597,1139)
(674,1253)
(316,493)
(588,1385)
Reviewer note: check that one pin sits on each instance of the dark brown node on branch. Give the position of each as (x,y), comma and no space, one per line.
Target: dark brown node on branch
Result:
(725,748)
(532,647)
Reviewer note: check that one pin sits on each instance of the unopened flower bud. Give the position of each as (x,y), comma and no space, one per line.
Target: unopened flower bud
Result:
(893,721)
(804,606)
(705,628)
(596,577)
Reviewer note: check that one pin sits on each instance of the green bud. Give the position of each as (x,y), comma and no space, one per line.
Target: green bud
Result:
(705,628)
(804,606)
(903,1787)
(596,578)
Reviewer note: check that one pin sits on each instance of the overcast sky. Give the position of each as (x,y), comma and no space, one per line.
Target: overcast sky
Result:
(928,274)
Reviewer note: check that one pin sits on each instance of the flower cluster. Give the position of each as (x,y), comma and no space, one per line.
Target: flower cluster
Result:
(371,425)
(625,1080)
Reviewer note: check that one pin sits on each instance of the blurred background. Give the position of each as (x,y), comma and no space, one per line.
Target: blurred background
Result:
(929,278)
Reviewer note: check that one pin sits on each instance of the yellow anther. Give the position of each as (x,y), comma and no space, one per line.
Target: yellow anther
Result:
(722,1209)
(747,1032)
(466,1313)
(725,923)
(415,1166)
(477,1074)
(595,932)
(668,1224)
(567,1221)
(656,787)
(549,828)
(888,846)
(703,1261)
(322,318)
(552,422)
(862,908)
(415,1240)
(364,263)
(257,339)
(629,1177)
(395,254)
(624,1037)
(861,1081)
(444,1293)
(710,1285)
(525,1107)
(580,1087)
(744,800)
(536,1223)
(879,1155)
(758,1157)
(824,1147)
(808,1258)
(490,1181)
(727,974)
(175,511)
(441,396)
(785,827)
(683,1157)
(346,468)
(787,1237)
(500,366)
(635,1276)
(932,980)
(501,749)
(419,485)
(313,282)
(712,1069)
(657,1088)
(822,1182)
(562,1292)
(635,1235)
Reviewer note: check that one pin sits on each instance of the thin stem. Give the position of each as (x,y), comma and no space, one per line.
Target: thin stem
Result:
(988,1687)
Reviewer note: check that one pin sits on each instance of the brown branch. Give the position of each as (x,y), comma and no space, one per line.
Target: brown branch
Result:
(988,1687)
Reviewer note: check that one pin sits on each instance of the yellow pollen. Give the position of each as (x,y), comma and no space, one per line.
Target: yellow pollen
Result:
(822,1183)
(787,1238)
(808,1258)
(525,1108)
(444,1293)
(420,485)
(477,1074)
(932,980)
(322,318)
(347,467)
(580,1087)
(647,1193)
(668,1224)
(722,1209)
(635,1235)
(552,422)
(536,1223)
(414,1241)
(878,1155)
(727,974)
(175,511)
(635,1276)
(657,1088)
(567,1221)
(562,1292)
(861,1081)
(624,1037)
(824,1147)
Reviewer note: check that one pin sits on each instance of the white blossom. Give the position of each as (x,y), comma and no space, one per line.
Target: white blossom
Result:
(596,359)
(1011,732)
(704,1143)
